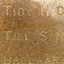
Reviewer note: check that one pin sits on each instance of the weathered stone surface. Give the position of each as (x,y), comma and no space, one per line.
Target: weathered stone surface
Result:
(30,32)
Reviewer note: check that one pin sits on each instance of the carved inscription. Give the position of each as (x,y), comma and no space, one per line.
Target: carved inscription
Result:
(23,60)
(27,30)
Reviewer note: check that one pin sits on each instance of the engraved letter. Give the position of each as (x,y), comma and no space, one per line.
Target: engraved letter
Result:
(55,60)
(42,10)
(31,61)
(58,35)
(6,62)
(7,9)
(29,11)
(58,10)
(47,61)
(23,60)
(40,62)
(16,61)
(43,35)
(17,36)
(19,12)
(7,34)
(26,37)
(14,12)
(62,60)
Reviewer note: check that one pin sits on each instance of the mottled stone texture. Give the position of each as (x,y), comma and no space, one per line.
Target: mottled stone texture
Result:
(24,32)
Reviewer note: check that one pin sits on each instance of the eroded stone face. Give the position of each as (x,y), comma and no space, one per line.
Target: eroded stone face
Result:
(31,32)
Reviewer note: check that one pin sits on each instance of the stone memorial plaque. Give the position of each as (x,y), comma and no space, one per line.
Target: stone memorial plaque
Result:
(31,31)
